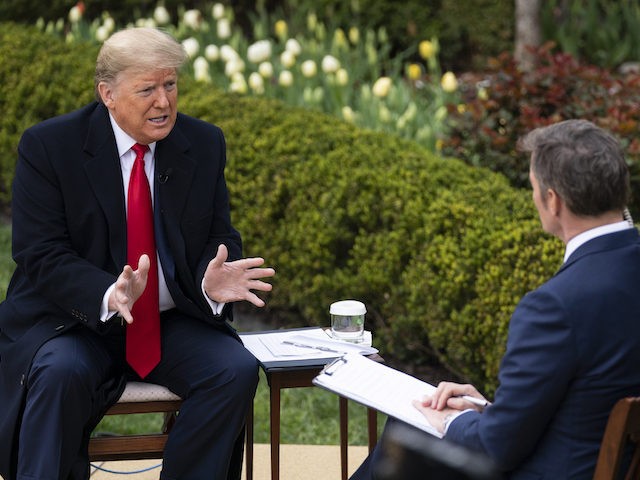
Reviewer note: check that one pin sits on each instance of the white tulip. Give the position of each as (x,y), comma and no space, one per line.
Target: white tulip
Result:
(75,14)
(227,53)
(256,83)
(212,52)
(102,33)
(233,66)
(217,11)
(201,70)
(285,79)
(191,46)
(330,64)
(309,68)
(109,24)
(238,83)
(223,28)
(293,46)
(259,51)
(348,114)
(287,59)
(265,69)
(192,19)
(381,87)
(342,77)
(161,15)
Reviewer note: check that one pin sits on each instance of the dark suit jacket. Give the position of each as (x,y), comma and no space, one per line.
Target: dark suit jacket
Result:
(69,235)
(573,351)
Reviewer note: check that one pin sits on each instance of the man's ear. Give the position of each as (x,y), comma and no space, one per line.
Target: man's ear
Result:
(554,202)
(106,93)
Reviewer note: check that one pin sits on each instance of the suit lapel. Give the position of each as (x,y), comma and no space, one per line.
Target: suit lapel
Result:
(105,177)
(174,175)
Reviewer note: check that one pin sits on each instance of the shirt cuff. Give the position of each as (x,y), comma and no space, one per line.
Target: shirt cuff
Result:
(216,307)
(451,417)
(105,314)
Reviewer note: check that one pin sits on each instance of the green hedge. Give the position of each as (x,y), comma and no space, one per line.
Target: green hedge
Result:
(40,77)
(439,251)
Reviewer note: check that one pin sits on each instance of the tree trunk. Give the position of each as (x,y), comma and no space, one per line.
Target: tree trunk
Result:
(528,31)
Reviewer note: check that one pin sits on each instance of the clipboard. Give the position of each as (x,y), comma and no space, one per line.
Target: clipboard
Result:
(377,386)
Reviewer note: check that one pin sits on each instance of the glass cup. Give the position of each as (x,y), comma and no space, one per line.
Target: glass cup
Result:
(347,320)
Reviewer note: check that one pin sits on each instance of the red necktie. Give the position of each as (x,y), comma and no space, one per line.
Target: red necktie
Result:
(143,335)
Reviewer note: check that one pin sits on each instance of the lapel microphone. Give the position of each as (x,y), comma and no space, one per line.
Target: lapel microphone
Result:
(163,177)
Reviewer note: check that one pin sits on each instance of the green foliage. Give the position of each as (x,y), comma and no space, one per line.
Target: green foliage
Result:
(468,31)
(506,103)
(342,212)
(40,77)
(345,213)
(602,32)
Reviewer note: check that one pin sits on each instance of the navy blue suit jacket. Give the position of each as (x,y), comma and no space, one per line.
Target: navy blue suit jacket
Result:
(69,235)
(573,350)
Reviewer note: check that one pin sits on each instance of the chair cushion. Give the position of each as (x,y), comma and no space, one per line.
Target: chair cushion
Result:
(146,392)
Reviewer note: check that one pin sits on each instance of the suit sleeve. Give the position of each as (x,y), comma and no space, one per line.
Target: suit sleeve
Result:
(222,230)
(534,376)
(41,244)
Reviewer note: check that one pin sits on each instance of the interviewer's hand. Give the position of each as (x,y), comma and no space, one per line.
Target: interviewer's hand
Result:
(449,394)
(233,281)
(129,286)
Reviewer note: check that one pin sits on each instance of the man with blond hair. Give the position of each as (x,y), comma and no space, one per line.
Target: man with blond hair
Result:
(127,268)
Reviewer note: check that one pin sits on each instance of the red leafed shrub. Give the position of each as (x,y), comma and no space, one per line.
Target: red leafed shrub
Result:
(505,103)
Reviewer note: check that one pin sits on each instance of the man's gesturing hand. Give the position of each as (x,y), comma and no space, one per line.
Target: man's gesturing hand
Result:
(233,281)
(129,286)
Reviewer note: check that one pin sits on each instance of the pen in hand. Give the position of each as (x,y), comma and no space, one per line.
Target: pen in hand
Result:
(476,401)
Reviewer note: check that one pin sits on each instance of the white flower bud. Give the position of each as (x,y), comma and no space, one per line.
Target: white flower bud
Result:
(259,51)
(287,59)
(265,69)
(217,12)
(161,15)
(192,19)
(309,68)
(212,52)
(256,83)
(223,28)
(191,46)
(227,53)
(330,64)
(381,87)
(293,46)
(285,79)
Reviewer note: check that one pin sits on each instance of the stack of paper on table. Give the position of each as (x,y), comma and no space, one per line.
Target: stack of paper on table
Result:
(301,347)
(377,386)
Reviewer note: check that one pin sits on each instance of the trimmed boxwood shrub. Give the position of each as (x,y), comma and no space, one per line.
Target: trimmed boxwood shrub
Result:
(439,251)
(41,77)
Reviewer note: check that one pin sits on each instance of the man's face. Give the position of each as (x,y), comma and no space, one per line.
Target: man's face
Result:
(144,104)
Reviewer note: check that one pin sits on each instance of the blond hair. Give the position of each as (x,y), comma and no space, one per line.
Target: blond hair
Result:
(137,49)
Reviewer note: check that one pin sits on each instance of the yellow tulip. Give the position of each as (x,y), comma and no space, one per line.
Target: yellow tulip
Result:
(281,29)
(414,71)
(449,82)
(426,49)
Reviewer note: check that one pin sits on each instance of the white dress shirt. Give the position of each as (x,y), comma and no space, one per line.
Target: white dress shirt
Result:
(127,157)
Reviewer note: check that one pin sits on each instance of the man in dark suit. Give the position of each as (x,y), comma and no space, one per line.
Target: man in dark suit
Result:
(71,304)
(573,348)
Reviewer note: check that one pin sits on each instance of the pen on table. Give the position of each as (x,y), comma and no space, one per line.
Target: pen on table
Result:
(315,347)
